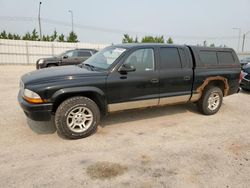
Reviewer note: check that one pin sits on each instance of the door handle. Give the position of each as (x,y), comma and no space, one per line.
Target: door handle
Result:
(186,78)
(154,80)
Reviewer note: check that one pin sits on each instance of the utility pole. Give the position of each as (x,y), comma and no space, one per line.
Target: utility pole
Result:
(243,42)
(238,48)
(39,20)
(244,37)
(72,23)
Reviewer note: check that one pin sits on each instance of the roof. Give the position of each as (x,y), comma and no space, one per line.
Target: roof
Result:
(133,45)
(211,48)
(85,49)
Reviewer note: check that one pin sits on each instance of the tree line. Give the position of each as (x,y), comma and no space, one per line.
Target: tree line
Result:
(33,36)
(160,39)
(146,39)
(72,37)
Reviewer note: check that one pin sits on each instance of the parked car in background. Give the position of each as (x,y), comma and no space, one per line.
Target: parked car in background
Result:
(70,57)
(129,76)
(245,61)
(245,81)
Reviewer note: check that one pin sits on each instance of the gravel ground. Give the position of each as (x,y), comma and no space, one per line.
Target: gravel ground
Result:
(171,146)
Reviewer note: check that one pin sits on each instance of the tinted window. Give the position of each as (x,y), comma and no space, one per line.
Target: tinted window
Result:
(247,70)
(208,57)
(170,58)
(225,58)
(142,60)
(183,58)
(70,54)
(84,54)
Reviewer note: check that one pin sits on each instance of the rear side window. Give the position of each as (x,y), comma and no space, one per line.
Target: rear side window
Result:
(184,62)
(84,54)
(170,58)
(208,57)
(226,58)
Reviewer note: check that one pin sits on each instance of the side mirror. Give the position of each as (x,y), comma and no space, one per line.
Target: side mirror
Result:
(126,68)
(65,57)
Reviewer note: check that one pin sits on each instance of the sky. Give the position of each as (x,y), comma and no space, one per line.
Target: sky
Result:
(98,21)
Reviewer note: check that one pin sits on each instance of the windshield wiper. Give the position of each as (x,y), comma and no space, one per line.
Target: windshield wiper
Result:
(92,67)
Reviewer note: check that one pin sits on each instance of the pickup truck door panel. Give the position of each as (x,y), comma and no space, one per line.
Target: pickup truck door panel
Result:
(133,89)
(176,75)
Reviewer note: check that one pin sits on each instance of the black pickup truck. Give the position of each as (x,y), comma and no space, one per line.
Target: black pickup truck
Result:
(129,76)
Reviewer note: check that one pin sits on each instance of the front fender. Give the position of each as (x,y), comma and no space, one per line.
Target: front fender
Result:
(46,63)
(75,90)
(93,93)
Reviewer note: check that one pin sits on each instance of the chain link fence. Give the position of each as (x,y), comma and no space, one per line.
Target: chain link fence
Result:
(27,52)
(243,55)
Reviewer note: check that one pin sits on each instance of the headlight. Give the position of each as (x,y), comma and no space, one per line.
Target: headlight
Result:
(40,61)
(32,97)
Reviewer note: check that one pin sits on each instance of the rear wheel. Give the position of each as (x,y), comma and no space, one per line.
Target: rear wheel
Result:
(77,117)
(210,101)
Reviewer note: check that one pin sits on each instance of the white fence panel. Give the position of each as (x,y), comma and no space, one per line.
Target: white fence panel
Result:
(27,52)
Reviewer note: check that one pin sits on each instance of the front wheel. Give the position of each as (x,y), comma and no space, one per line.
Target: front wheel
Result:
(210,101)
(77,117)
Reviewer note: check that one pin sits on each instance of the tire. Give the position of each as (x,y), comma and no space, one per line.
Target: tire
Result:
(77,117)
(215,96)
(244,89)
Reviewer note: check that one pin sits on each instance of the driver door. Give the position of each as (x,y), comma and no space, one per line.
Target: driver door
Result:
(70,58)
(135,89)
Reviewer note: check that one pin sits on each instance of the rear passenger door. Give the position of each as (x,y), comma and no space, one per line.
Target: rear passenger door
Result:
(70,58)
(176,75)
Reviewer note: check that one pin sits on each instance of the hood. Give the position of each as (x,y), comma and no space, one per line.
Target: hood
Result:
(58,74)
(54,58)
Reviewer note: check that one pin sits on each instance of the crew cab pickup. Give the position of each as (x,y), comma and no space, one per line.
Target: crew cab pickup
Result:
(129,76)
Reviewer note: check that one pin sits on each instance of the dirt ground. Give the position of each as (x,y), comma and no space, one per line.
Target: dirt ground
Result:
(171,146)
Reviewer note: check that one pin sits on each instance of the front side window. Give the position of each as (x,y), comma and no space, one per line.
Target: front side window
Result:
(70,54)
(142,60)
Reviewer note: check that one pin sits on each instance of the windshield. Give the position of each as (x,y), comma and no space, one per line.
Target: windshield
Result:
(105,58)
(68,53)
(246,68)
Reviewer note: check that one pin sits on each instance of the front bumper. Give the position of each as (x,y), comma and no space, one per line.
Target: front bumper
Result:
(36,112)
(39,66)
